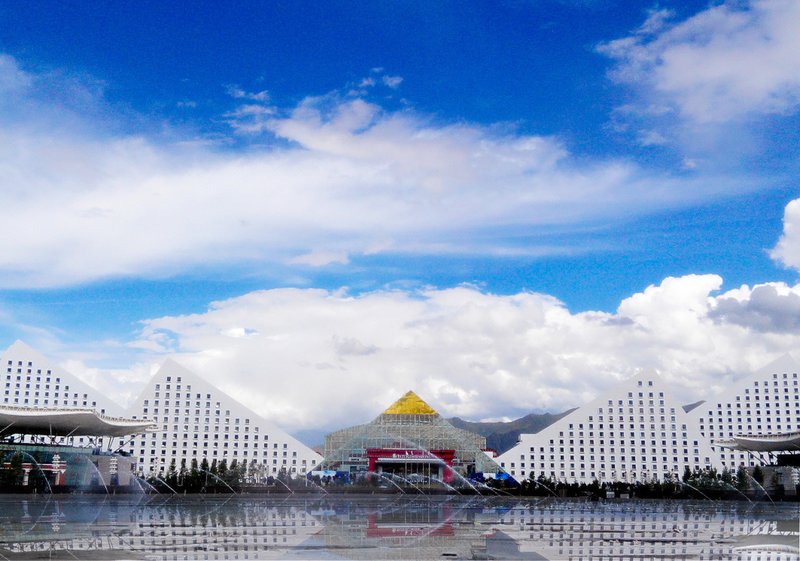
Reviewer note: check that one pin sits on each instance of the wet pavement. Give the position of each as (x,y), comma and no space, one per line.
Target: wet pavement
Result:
(391,527)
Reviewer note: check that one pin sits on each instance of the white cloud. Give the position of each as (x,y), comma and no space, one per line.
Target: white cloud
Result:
(652,138)
(12,77)
(338,178)
(321,258)
(772,307)
(250,118)
(238,93)
(316,358)
(787,251)
(724,63)
(122,385)
(392,81)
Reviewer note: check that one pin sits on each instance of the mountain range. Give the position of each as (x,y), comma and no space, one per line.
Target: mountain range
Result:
(502,436)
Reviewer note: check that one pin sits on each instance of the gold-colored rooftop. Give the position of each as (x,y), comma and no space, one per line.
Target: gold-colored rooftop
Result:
(410,404)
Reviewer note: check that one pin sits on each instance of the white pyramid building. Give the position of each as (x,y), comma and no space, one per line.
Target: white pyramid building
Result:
(197,421)
(30,380)
(767,402)
(635,432)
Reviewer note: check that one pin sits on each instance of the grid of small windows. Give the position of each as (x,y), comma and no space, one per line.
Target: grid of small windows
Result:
(198,426)
(768,405)
(636,436)
(26,385)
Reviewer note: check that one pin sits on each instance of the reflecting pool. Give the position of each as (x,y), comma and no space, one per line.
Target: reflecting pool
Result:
(391,527)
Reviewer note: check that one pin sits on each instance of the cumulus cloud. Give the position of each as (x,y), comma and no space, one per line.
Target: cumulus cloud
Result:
(337,178)
(727,62)
(772,307)
(122,385)
(322,359)
(787,250)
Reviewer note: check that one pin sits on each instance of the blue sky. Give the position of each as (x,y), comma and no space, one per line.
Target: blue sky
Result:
(159,160)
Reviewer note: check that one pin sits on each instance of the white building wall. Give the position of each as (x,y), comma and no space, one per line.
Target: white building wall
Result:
(197,420)
(632,433)
(28,379)
(766,402)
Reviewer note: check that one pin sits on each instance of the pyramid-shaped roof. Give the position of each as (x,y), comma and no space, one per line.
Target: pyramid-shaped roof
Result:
(409,423)
(410,404)
(23,360)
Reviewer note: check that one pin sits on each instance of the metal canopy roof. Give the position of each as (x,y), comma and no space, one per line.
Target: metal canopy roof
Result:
(781,442)
(67,422)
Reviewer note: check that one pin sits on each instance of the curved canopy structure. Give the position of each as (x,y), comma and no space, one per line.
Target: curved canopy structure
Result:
(781,442)
(67,422)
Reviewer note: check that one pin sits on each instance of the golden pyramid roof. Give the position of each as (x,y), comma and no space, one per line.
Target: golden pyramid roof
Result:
(410,404)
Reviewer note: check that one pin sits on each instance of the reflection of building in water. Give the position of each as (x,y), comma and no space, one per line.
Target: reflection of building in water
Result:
(409,439)
(178,531)
(659,530)
(426,529)
(414,528)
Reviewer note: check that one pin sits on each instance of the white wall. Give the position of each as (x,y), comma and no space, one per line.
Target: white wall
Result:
(197,420)
(634,432)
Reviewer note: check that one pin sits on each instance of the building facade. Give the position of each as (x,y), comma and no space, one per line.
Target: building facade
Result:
(197,421)
(765,403)
(29,380)
(635,432)
(409,440)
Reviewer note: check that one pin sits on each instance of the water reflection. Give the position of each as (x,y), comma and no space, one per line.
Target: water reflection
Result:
(335,527)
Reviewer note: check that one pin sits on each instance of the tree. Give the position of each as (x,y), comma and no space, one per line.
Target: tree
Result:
(775,485)
(12,473)
(232,477)
(283,475)
(758,475)
(742,479)
(687,474)
(181,480)
(195,480)
(172,474)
